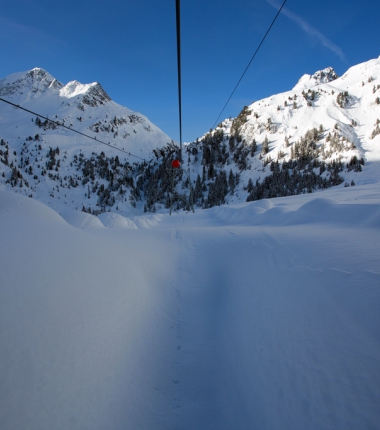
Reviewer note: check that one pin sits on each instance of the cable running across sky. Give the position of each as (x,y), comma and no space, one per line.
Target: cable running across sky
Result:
(178,26)
(69,128)
(254,55)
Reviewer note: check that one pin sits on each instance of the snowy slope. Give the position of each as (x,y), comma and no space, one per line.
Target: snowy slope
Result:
(262,315)
(348,125)
(324,132)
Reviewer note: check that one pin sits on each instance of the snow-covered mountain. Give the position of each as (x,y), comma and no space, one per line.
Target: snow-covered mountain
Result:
(29,142)
(83,107)
(324,132)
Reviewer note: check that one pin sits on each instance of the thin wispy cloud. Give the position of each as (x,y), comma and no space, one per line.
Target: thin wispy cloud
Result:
(27,34)
(310,30)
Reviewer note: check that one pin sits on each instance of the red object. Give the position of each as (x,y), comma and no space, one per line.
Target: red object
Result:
(176,164)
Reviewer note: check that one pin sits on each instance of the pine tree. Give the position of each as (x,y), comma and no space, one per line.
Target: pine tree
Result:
(231,182)
(253,148)
(265,147)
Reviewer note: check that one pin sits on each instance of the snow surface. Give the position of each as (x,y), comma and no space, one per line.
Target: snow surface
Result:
(263,315)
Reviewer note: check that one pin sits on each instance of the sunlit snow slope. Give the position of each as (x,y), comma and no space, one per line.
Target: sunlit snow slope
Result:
(261,316)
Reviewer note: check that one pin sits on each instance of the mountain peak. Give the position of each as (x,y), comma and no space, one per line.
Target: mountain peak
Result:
(93,94)
(320,77)
(39,74)
(96,95)
(35,81)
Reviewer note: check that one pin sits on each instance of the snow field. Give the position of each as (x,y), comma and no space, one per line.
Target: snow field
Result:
(260,315)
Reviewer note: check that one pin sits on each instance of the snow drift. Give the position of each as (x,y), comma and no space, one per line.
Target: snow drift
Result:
(263,315)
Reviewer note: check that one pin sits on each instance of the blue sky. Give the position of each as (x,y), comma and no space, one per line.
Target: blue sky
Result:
(129,46)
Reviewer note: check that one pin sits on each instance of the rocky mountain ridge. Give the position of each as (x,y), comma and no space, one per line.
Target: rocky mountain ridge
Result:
(324,132)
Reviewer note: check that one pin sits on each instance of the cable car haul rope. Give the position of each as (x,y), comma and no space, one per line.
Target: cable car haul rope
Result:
(178,25)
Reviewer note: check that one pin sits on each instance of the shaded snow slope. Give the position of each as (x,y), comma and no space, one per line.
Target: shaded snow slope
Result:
(261,315)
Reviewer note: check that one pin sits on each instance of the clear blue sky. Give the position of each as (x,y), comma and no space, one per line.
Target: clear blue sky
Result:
(129,46)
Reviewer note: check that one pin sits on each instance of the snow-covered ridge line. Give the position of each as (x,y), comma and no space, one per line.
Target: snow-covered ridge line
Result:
(321,77)
(75,88)
(40,82)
